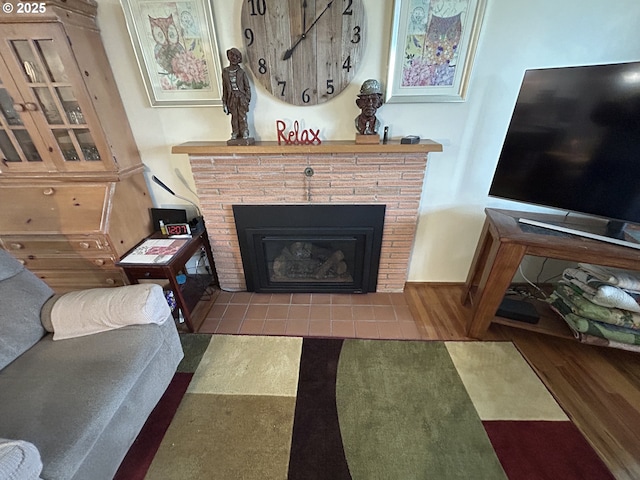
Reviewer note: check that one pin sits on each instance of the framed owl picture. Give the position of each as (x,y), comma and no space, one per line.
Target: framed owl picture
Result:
(433,44)
(177,51)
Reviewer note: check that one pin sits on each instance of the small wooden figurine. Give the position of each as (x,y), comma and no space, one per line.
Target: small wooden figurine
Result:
(236,95)
(369,100)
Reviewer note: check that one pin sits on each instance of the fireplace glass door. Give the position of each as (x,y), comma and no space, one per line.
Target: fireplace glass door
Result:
(296,259)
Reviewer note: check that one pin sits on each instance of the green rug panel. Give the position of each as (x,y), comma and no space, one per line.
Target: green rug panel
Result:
(393,419)
(194,345)
(224,437)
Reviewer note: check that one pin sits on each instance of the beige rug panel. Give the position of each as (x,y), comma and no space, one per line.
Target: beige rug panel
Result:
(223,437)
(501,383)
(249,365)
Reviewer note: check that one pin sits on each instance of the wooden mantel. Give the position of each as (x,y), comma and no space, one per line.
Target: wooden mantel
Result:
(339,147)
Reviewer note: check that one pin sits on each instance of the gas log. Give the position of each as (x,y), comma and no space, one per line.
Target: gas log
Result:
(304,260)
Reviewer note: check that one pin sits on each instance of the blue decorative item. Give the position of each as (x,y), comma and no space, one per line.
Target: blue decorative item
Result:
(171,299)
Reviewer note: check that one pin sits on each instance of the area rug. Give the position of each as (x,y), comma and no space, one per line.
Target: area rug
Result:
(330,409)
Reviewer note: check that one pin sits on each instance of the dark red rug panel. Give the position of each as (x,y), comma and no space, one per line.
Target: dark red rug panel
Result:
(539,450)
(138,459)
(317,452)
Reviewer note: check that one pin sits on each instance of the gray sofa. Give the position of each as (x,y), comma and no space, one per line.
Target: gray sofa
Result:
(80,401)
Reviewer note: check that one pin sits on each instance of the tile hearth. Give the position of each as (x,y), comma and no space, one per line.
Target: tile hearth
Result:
(373,315)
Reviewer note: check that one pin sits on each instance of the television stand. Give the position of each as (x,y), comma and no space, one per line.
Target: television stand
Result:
(582,233)
(503,244)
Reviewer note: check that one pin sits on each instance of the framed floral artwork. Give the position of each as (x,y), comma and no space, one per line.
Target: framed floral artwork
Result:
(433,43)
(177,52)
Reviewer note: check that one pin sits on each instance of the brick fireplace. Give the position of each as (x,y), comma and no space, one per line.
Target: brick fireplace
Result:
(331,173)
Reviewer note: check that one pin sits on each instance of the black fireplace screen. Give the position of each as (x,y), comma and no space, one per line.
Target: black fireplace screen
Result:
(310,248)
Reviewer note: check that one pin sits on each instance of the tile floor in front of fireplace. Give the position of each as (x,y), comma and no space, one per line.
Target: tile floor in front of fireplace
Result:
(371,315)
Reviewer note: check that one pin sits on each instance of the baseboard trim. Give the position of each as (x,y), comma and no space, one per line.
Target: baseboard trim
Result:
(434,284)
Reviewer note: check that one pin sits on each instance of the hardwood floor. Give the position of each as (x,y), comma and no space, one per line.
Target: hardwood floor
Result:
(598,387)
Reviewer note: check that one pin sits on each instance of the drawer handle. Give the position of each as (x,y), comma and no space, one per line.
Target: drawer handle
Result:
(84,245)
(48,191)
(99,262)
(111,281)
(32,107)
(18,107)
(17,246)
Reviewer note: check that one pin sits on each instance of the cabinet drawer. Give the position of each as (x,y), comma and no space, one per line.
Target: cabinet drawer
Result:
(62,208)
(82,246)
(68,280)
(59,262)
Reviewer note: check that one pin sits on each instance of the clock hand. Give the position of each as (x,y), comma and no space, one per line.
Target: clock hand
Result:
(288,53)
(304,15)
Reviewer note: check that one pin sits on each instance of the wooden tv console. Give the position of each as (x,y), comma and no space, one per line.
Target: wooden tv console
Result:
(503,244)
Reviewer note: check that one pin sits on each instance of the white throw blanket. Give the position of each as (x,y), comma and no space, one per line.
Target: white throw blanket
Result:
(626,279)
(598,289)
(86,312)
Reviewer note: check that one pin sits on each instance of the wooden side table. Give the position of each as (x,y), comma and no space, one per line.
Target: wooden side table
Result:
(502,246)
(190,295)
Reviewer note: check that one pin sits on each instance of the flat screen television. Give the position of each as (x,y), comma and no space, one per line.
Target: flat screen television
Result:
(573,144)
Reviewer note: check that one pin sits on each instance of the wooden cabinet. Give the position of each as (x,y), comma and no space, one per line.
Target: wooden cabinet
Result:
(71,186)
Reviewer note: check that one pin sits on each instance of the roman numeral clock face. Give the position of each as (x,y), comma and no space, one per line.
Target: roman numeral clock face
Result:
(304,52)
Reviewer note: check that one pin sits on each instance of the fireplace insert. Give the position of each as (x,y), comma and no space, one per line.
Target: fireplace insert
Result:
(310,248)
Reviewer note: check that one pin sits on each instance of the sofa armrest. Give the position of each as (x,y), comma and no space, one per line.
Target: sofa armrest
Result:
(19,460)
(96,310)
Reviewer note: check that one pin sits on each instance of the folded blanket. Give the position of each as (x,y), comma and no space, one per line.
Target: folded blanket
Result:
(584,327)
(595,340)
(86,312)
(604,342)
(626,279)
(19,460)
(582,307)
(601,293)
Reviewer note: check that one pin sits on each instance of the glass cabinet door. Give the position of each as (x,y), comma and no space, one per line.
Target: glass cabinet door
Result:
(19,151)
(54,96)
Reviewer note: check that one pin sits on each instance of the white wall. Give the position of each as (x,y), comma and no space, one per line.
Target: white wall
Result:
(516,35)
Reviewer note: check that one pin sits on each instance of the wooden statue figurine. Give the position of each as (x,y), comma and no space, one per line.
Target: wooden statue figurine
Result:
(236,95)
(369,100)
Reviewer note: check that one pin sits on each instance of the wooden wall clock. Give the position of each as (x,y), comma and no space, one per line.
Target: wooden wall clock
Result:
(304,52)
